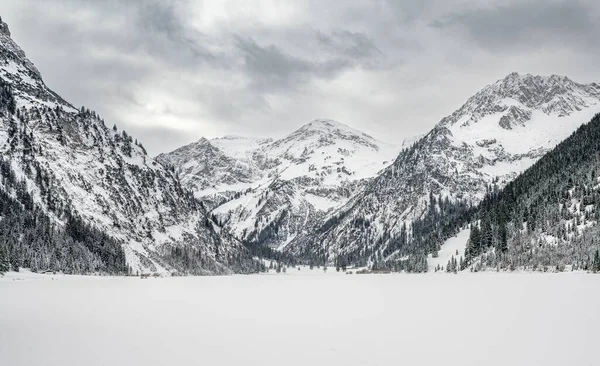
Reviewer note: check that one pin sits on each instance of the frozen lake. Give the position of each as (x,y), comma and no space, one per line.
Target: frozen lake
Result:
(302,319)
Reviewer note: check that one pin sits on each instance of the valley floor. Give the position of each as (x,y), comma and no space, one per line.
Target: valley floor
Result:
(297,319)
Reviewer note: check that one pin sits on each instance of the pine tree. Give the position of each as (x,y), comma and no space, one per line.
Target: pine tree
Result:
(474,244)
(4,264)
(14,264)
(503,239)
(596,264)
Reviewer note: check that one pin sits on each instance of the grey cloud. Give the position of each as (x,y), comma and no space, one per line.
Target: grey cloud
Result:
(270,68)
(525,23)
(156,28)
(159,139)
(161,18)
(384,66)
(410,11)
(352,44)
(166,35)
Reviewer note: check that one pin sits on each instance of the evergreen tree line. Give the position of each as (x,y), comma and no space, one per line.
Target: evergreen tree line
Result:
(29,238)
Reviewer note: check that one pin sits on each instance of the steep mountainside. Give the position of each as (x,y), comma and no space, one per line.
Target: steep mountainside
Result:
(495,135)
(73,166)
(266,191)
(546,219)
(213,168)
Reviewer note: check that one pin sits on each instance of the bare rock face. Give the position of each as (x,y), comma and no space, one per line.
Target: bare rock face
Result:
(4,28)
(514,117)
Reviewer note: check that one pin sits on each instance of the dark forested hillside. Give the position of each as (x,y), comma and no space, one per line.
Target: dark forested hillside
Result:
(546,218)
(29,238)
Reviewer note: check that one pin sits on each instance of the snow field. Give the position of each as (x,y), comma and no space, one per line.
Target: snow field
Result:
(448,249)
(464,319)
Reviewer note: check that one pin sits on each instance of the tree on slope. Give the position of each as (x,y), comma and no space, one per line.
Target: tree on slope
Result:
(596,264)
(4,264)
(474,244)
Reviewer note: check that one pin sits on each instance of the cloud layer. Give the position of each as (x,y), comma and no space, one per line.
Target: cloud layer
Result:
(172,71)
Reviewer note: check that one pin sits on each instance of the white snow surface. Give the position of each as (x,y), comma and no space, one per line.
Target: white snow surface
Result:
(449,249)
(238,147)
(296,320)
(542,131)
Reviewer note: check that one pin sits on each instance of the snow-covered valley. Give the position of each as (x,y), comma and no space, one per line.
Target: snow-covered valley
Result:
(297,319)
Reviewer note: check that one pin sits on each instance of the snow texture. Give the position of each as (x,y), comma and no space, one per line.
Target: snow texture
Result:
(293,319)
(448,250)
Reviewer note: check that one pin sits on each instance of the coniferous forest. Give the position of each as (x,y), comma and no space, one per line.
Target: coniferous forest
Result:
(546,219)
(29,238)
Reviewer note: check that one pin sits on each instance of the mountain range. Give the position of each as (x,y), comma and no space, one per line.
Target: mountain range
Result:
(497,134)
(311,211)
(267,191)
(82,196)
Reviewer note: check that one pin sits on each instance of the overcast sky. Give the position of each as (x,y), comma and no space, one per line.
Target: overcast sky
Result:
(171,71)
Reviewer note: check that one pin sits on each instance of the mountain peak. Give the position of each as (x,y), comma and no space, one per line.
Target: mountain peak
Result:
(324,126)
(4,28)
(201,141)
(516,98)
(324,123)
(17,69)
(514,78)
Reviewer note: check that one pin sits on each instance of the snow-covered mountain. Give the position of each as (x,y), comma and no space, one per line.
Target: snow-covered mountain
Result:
(73,164)
(495,135)
(267,191)
(217,166)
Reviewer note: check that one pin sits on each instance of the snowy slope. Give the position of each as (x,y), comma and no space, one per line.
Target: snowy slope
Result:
(71,161)
(451,248)
(331,152)
(267,191)
(498,133)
